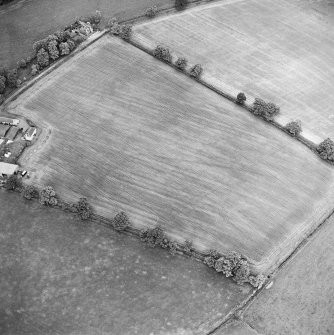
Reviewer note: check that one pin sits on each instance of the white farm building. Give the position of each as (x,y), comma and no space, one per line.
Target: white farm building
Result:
(11,122)
(7,169)
(29,135)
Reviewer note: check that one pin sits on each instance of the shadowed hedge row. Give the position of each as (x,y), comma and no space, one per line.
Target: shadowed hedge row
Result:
(233,264)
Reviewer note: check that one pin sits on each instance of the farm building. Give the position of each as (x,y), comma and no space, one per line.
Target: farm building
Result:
(29,135)
(12,122)
(3,129)
(7,169)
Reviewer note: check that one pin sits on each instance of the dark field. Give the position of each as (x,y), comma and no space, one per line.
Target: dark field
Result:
(60,276)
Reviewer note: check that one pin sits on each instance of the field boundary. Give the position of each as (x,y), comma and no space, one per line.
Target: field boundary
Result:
(309,144)
(91,39)
(248,301)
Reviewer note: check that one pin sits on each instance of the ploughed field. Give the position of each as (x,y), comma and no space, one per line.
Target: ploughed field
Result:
(130,133)
(281,51)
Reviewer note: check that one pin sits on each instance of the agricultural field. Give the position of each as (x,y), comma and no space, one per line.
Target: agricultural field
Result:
(130,133)
(3,130)
(61,276)
(280,51)
(301,299)
(25,21)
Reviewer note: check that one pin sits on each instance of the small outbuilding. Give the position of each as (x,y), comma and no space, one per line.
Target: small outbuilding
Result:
(7,169)
(29,135)
(11,122)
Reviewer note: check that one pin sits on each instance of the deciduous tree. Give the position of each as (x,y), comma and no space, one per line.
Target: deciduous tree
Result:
(53,49)
(196,71)
(48,196)
(42,58)
(294,127)
(241,98)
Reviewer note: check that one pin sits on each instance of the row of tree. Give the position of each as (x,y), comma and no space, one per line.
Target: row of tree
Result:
(267,110)
(49,49)
(231,265)
(164,54)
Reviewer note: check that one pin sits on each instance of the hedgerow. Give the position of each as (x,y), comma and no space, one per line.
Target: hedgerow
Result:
(125,31)
(83,209)
(326,150)
(151,11)
(188,247)
(121,221)
(233,265)
(266,110)
(34,69)
(211,259)
(30,192)
(181,63)
(152,236)
(155,237)
(181,4)
(53,49)
(13,183)
(12,77)
(241,98)
(42,58)
(22,63)
(294,127)
(48,196)
(196,71)
(64,48)
(2,84)
(162,53)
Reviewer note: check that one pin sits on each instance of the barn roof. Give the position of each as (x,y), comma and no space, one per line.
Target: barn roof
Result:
(6,168)
(8,120)
(30,131)
(5,119)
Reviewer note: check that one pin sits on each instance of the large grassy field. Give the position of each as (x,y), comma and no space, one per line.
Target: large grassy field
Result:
(130,133)
(25,21)
(281,51)
(61,276)
(301,300)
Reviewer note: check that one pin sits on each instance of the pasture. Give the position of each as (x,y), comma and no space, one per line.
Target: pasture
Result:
(60,276)
(281,51)
(130,133)
(301,300)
